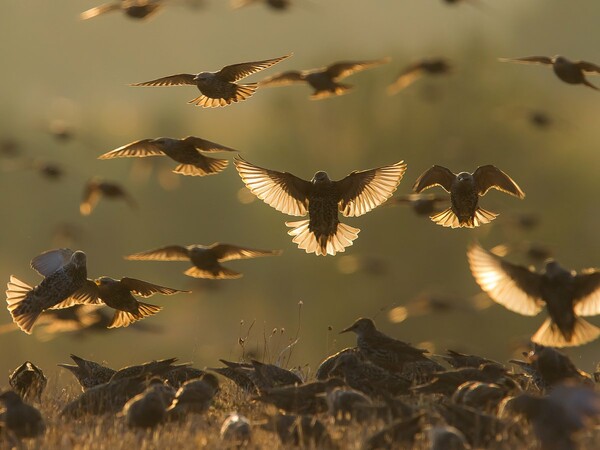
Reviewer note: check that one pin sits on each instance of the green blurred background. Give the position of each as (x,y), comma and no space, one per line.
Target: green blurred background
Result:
(58,69)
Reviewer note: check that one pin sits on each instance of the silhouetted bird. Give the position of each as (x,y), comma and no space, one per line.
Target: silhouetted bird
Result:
(186,151)
(421,204)
(481,395)
(344,404)
(479,428)
(178,375)
(414,71)
(28,381)
(89,373)
(206,259)
(242,374)
(324,370)
(96,188)
(136,9)
(194,396)
(276,5)
(459,360)
(465,190)
(21,419)
(322,198)
(236,430)
(554,367)
(305,431)
(566,295)
(571,72)
(324,81)
(64,285)
(445,437)
(147,370)
(146,410)
(218,88)
(398,434)
(271,375)
(447,382)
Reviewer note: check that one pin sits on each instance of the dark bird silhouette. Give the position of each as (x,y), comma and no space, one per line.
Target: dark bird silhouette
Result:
(324,81)
(28,381)
(236,431)
(178,375)
(218,88)
(418,69)
(89,373)
(398,432)
(194,396)
(306,431)
(465,190)
(146,410)
(272,376)
(135,9)
(344,404)
(275,5)
(64,284)
(481,395)
(21,419)
(147,370)
(187,151)
(206,259)
(324,370)
(421,204)
(567,295)
(322,199)
(447,382)
(445,437)
(571,72)
(242,374)
(97,188)
(459,360)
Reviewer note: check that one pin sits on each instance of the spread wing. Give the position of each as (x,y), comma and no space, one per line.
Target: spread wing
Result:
(91,195)
(137,149)
(207,146)
(405,78)
(236,72)
(360,192)
(284,78)
(346,68)
(528,60)
(86,295)
(588,67)
(98,10)
(227,252)
(168,253)
(281,190)
(145,289)
(514,287)
(436,176)
(182,79)
(587,293)
(488,177)
(49,262)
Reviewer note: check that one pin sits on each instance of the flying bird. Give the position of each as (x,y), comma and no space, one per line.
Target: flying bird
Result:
(218,88)
(97,188)
(206,260)
(567,296)
(571,72)
(322,198)
(136,9)
(421,204)
(418,69)
(186,151)
(276,5)
(324,81)
(465,190)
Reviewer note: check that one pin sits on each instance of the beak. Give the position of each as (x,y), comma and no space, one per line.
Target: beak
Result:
(350,328)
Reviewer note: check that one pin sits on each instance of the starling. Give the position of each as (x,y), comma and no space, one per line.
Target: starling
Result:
(146,410)
(89,373)
(20,418)
(305,431)
(28,381)
(480,395)
(321,198)
(182,373)
(147,370)
(236,430)
(206,259)
(480,429)
(136,9)
(218,88)
(275,5)
(444,437)
(186,151)
(421,204)
(64,284)
(324,81)
(571,72)
(96,188)
(194,396)
(324,370)
(414,71)
(118,294)
(344,404)
(465,190)
(272,376)
(398,432)
(459,360)
(554,367)
(242,374)
(447,382)
(566,295)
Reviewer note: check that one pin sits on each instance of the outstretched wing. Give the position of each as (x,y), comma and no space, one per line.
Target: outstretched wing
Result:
(528,60)
(344,69)
(168,253)
(227,252)
(587,293)
(281,190)
(207,146)
(49,262)
(98,10)
(137,149)
(91,195)
(284,78)
(182,79)
(588,67)
(236,72)
(405,78)
(435,176)
(488,177)
(145,289)
(360,192)
(85,295)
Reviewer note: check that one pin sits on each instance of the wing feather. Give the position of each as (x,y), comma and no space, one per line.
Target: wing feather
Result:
(182,79)
(435,176)
(168,253)
(587,293)
(137,149)
(488,177)
(145,289)
(227,252)
(236,72)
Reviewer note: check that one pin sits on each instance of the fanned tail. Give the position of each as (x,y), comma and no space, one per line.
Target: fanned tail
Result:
(222,274)
(241,92)
(340,89)
(549,334)
(210,167)
(22,308)
(327,245)
(124,318)
(448,219)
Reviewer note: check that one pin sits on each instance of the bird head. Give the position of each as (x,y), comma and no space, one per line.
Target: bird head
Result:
(556,271)
(104,281)
(79,259)
(203,76)
(464,176)
(321,177)
(361,326)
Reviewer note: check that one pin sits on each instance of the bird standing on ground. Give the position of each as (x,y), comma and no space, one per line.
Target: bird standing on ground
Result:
(28,381)
(20,418)
(89,373)
(322,198)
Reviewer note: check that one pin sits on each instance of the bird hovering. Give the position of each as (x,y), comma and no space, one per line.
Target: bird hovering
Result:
(465,190)
(218,88)
(567,295)
(135,9)
(322,199)
(414,71)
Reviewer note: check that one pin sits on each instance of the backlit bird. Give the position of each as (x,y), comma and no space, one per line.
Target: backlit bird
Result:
(418,69)
(136,9)
(97,188)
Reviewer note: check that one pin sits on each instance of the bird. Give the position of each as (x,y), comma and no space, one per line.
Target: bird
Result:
(146,410)
(206,260)
(445,437)
(28,381)
(401,433)
(119,295)
(344,404)
(157,368)
(414,71)
(64,285)
(96,188)
(566,295)
(236,430)
(322,198)
(194,396)
(571,72)
(465,189)
(421,204)
(324,81)
(326,366)
(242,374)
(306,431)
(447,382)
(218,88)
(459,360)
(275,5)
(20,418)
(135,9)
(88,373)
(187,151)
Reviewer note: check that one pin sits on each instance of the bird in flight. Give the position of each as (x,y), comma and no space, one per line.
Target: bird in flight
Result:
(322,198)
(414,71)
(218,88)
(136,9)
(465,190)
(96,188)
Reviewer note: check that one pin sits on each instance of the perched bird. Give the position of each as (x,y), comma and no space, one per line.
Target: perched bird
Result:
(136,9)
(480,395)
(146,410)
(118,294)
(64,284)
(236,430)
(421,204)
(218,88)
(276,5)
(178,375)
(322,198)
(414,71)
(28,381)
(465,190)
(324,81)
(194,396)
(479,428)
(186,151)
(206,259)
(567,295)
(20,418)
(571,72)
(89,373)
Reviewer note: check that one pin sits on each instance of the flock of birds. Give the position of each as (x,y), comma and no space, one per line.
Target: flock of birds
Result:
(381,379)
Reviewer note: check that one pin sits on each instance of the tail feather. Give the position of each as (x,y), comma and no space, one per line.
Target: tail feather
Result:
(22,309)
(240,93)
(550,335)
(326,245)
(222,274)
(124,318)
(340,89)
(212,166)
(448,219)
